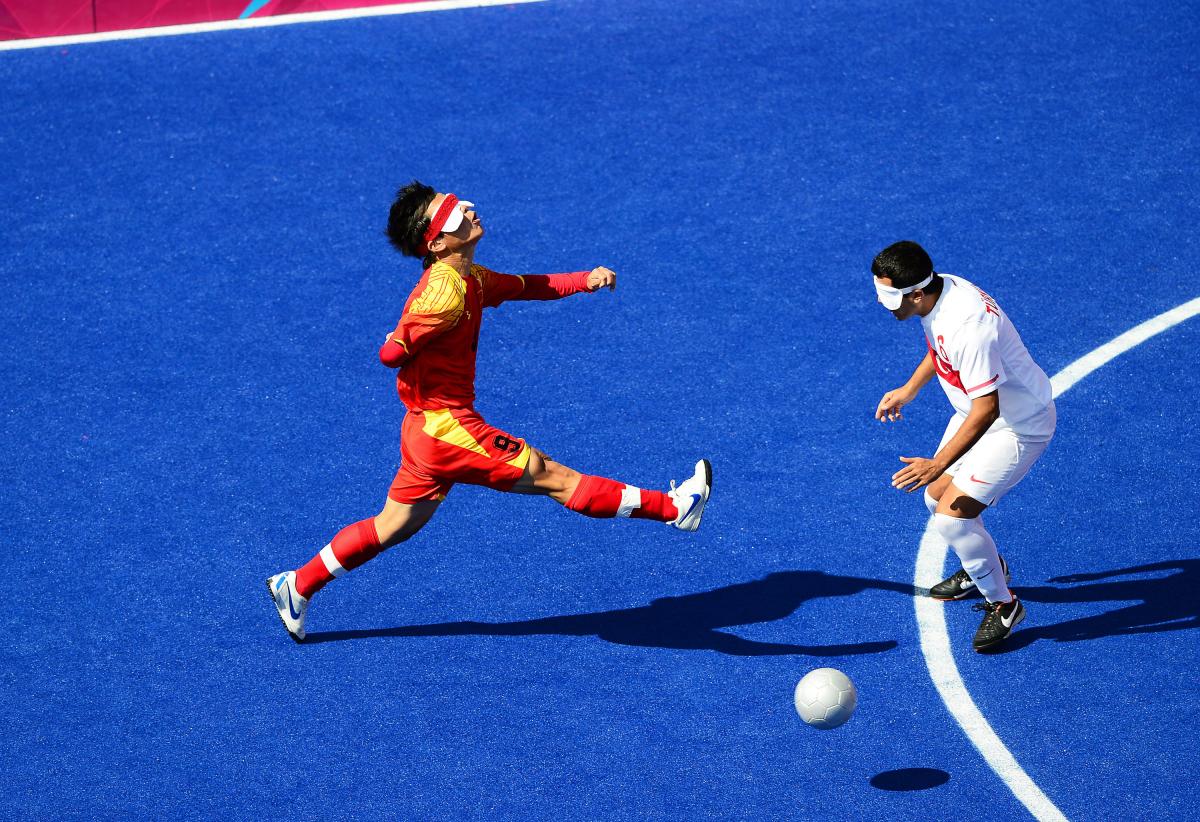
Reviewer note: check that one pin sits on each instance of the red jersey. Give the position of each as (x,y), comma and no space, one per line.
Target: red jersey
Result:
(435,342)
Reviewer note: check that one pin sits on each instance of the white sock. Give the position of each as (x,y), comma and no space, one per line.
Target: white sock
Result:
(977,552)
(631,500)
(930,503)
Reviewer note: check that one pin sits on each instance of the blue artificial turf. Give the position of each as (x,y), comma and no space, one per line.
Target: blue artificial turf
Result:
(196,284)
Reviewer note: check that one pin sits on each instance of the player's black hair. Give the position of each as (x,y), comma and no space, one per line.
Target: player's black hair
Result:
(407,221)
(905,263)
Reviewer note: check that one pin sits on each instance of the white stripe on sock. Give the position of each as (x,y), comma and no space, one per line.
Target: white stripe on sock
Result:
(331,562)
(631,498)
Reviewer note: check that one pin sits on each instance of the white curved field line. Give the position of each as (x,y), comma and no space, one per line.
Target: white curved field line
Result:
(931,617)
(252,23)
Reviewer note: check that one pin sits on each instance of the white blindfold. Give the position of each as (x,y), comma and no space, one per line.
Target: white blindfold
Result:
(892,297)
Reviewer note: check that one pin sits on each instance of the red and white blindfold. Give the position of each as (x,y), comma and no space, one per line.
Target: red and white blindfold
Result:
(892,297)
(447,219)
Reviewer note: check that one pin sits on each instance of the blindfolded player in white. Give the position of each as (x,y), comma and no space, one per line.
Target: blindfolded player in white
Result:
(1004,417)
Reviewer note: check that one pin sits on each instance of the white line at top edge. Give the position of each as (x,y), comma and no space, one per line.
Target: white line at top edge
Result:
(931,615)
(252,23)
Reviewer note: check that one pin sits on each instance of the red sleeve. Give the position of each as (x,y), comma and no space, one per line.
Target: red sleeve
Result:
(393,354)
(554,286)
(499,288)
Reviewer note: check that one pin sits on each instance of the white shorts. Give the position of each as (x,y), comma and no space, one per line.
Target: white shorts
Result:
(994,465)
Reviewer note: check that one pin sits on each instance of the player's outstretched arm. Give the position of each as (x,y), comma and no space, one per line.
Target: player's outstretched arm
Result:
(499,288)
(889,407)
(556,286)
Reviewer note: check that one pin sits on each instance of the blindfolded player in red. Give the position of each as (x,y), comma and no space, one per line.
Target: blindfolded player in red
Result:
(443,439)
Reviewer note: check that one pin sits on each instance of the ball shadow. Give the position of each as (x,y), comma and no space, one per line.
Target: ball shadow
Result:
(910,779)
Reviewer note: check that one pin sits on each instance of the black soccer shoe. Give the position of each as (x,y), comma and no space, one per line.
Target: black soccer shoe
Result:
(999,619)
(960,586)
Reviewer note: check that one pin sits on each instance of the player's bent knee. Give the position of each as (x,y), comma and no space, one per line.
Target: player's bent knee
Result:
(387,526)
(938,487)
(536,465)
(399,521)
(560,478)
(950,527)
(954,503)
(931,502)
(544,475)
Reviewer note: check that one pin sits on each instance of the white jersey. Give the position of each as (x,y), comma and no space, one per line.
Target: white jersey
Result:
(977,351)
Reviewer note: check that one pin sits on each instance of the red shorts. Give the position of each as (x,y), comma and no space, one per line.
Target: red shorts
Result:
(440,448)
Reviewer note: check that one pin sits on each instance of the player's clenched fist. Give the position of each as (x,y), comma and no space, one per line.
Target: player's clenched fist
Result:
(600,278)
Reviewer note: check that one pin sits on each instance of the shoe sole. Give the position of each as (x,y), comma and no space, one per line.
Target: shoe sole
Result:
(278,613)
(1020,618)
(707,494)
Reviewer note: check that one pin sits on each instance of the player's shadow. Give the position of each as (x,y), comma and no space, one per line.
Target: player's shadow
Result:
(691,622)
(1163,603)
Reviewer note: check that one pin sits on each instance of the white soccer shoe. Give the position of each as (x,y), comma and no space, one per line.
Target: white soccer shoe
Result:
(691,496)
(291,606)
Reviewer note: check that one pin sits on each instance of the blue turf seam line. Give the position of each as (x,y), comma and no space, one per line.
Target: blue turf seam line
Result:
(931,614)
(253,23)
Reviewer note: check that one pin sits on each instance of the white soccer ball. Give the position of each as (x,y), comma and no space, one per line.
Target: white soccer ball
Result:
(825,698)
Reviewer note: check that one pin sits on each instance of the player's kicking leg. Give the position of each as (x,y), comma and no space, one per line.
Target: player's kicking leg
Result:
(681,507)
(351,547)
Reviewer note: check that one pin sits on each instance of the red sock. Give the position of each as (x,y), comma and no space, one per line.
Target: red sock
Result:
(603,498)
(657,506)
(596,497)
(353,545)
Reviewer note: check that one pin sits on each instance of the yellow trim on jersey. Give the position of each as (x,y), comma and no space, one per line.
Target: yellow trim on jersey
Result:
(445,294)
(479,272)
(441,425)
(522,459)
